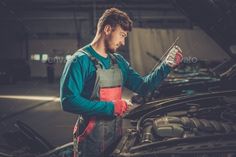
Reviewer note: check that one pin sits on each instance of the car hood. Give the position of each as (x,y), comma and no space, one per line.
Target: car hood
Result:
(140,110)
(216,17)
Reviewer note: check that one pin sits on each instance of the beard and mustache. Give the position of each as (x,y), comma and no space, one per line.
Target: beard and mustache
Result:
(108,45)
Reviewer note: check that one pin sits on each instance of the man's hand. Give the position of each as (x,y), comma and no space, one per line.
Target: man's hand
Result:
(120,107)
(174,57)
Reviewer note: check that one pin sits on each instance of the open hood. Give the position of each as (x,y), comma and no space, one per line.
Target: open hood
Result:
(199,125)
(216,17)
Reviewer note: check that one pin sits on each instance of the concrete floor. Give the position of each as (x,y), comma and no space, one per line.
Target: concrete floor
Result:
(37,105)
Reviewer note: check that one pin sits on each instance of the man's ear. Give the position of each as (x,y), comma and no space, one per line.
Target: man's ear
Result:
(107,29)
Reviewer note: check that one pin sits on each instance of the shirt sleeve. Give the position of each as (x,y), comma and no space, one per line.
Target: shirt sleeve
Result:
(71,86)
(142,85)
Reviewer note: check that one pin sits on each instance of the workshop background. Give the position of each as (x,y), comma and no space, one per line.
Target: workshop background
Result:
(37,37)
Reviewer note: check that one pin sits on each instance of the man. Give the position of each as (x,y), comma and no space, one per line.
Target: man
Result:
(92,81)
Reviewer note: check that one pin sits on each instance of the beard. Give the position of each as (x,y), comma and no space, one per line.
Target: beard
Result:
(108,45)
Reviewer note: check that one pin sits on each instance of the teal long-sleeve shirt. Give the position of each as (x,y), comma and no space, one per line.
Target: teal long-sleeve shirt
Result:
(78,78)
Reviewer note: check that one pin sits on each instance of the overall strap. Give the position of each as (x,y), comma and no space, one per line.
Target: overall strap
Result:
(113,60)
(96,62)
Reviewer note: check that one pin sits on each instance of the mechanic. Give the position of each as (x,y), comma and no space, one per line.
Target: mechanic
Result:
(92,81)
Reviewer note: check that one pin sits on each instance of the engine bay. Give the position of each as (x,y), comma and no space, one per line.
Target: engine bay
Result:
(200,120)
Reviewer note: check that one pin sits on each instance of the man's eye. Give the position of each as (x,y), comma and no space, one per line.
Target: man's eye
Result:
(123,35)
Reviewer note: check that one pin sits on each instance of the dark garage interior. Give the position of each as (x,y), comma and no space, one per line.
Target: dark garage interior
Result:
(191,112)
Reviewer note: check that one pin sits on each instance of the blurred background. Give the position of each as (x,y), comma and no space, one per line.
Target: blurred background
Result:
(37,37)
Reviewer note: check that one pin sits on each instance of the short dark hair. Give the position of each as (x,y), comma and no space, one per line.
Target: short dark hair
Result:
(114,17)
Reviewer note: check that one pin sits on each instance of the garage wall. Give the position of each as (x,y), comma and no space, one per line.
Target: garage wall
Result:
(11,40)
(55,34)
(195,43)
(57,49)
(52,33)
(52,30)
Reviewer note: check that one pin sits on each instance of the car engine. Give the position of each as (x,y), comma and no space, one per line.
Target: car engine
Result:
(202,126)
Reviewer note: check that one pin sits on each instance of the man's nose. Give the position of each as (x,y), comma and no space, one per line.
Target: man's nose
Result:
(123,42)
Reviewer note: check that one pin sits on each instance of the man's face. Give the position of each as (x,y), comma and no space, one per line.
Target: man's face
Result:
(115,38)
